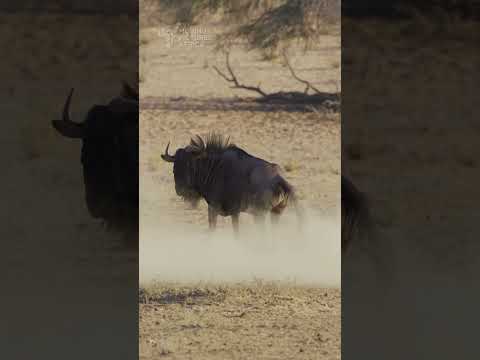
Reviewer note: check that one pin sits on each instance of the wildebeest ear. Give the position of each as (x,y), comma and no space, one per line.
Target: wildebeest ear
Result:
(69,129)
(128,91)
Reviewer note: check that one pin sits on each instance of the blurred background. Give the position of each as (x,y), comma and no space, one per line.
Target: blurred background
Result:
(69,292)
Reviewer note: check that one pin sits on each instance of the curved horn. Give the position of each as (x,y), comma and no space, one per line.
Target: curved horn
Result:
(167,157)
(66,126)
(66,108)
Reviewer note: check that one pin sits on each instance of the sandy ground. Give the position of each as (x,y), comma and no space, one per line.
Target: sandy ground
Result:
(293,312)
(243,321)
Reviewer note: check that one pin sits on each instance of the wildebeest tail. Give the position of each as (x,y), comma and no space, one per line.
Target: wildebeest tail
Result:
(355,213)
(288,194)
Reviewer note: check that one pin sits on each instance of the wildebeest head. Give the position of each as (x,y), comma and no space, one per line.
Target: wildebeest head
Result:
(109,157)
(184,161)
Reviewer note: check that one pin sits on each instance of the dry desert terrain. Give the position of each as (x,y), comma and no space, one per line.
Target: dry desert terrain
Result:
(209,296)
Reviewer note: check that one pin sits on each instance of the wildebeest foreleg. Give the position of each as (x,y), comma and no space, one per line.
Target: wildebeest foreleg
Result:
(212,218)
(260,221)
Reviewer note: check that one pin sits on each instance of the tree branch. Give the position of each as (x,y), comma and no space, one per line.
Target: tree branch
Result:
(233,79)
(308,85)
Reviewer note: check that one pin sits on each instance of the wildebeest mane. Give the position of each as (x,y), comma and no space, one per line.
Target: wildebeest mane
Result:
(214,143)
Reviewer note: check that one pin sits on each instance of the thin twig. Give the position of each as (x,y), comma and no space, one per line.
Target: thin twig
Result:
(308,85)
(233,79)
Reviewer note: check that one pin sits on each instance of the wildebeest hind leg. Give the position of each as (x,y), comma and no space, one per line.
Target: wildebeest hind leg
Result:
(212,218)
(235,224)
(264,241)
(260,221)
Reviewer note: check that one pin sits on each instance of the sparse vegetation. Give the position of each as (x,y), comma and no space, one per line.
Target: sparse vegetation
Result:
(189,315)
(263,24)
(292,166)
(269,27)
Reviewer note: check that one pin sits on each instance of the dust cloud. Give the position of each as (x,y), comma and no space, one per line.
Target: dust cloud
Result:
(181,252)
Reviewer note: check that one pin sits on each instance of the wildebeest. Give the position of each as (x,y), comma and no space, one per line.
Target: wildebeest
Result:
(360,237)
(355,214)
(230,180)
(109,157)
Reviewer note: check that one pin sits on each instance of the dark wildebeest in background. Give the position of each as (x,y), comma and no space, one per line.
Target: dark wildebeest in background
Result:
(230,180)
(109,157)
(360,237)
(355,214)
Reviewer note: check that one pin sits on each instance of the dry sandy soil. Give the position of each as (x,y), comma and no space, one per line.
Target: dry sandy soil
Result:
(244,321)
(199,297)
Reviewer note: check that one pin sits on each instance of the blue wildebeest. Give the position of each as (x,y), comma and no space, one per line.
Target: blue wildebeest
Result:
(230,180)
(109,157)
(355,214)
